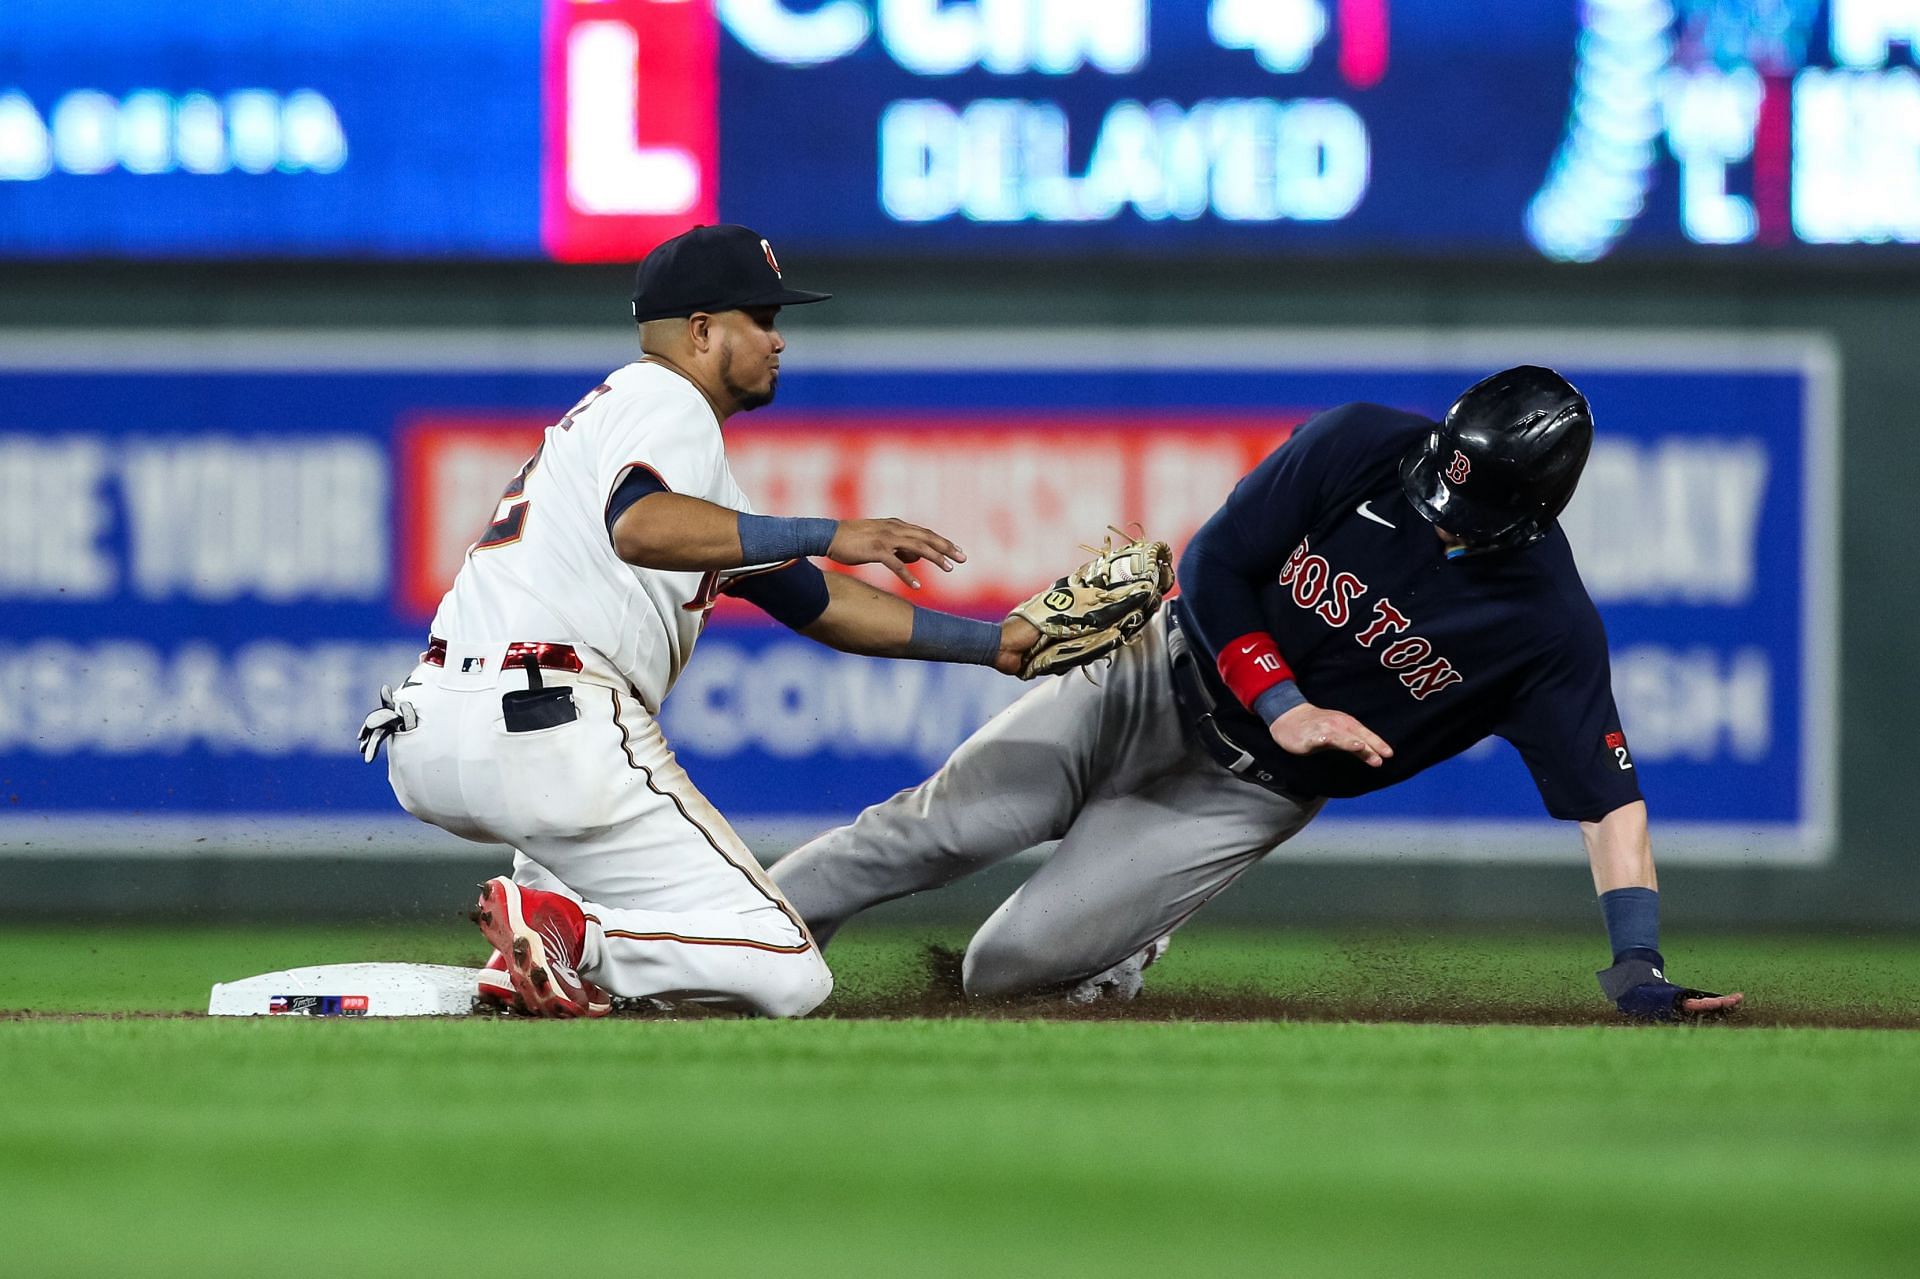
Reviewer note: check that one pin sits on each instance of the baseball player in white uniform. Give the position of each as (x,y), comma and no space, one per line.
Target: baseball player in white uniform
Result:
(531,718)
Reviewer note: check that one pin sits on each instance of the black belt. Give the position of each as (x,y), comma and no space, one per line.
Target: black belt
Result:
(1197,705)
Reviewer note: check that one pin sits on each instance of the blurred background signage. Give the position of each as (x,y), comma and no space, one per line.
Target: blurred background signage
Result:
(209,561)
(585,130)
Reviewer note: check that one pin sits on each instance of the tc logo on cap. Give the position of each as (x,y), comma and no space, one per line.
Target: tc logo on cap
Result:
(771,260)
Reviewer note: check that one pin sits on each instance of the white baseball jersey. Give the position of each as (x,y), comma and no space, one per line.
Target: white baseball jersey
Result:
(545,569)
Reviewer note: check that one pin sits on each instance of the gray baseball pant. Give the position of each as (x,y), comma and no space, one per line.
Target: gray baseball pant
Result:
(1150,828)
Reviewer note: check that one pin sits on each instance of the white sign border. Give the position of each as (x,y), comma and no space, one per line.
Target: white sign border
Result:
(1811,354)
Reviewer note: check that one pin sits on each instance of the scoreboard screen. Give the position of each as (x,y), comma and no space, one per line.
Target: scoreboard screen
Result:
(585,130)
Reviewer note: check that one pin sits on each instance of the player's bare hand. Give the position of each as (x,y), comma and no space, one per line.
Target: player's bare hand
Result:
(1017,636)
(1709,1005)
(894,543)
(1308,729)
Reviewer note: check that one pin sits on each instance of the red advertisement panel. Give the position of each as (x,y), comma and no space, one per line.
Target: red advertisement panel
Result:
(452,471)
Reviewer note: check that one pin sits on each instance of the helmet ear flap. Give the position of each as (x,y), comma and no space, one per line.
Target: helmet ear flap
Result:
(1420,479)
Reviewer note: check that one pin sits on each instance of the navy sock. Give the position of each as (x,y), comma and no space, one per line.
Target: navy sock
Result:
(1633,920)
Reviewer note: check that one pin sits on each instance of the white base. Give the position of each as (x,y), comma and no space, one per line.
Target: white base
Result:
(350,990)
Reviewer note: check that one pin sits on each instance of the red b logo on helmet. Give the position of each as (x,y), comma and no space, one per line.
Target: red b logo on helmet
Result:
(1459,468)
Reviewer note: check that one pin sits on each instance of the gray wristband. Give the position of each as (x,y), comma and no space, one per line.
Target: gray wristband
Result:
(1277,701)
(942,637)
(768,539)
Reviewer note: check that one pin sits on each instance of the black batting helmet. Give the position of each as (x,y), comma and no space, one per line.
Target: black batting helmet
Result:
(1503,464)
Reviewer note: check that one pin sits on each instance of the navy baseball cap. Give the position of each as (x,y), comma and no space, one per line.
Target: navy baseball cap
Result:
(712,268)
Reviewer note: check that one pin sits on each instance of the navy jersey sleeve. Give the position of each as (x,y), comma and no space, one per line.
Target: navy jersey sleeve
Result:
(640,481)
(1567,729)
(1248,539)
(793,594)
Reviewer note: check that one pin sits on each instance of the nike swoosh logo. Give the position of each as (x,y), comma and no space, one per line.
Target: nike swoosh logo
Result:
(1247,648)
(1366,514)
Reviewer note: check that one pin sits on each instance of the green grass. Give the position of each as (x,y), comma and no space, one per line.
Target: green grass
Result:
(961,1147)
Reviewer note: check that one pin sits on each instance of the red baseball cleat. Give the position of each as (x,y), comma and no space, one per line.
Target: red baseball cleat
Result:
(541,936)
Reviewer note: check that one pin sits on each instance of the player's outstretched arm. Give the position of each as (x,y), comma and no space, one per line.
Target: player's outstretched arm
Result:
(1620,850)
(861,619)
(677,533)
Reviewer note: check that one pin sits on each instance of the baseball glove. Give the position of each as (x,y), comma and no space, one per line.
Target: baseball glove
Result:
(1099,606)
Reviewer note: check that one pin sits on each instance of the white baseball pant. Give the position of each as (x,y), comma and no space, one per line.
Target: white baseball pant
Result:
(598,808)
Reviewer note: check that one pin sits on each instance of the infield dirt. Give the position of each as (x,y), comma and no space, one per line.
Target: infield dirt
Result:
(941,996)
(934,992)
(1216,975)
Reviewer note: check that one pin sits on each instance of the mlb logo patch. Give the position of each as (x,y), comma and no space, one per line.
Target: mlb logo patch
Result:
(468,665)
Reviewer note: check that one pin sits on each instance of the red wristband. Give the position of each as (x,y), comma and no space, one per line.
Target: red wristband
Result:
(1251,665)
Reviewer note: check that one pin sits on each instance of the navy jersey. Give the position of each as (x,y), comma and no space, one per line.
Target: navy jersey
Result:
(1319,548)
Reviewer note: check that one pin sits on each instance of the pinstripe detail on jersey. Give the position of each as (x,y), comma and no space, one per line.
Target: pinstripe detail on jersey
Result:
(624,935)
(771,568)
(771,894)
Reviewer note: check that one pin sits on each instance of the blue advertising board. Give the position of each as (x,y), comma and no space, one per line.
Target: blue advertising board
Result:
(213,550)
(590,131)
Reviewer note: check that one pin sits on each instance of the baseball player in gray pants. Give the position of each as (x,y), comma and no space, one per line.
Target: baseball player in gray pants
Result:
(1150,828)
(1379,594)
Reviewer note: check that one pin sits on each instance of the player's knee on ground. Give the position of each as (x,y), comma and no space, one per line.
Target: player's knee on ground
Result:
(793,987)
(1004,962)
